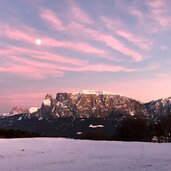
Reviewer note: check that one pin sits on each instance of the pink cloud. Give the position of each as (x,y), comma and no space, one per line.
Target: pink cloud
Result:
(104,68)
(94,68)
(30,68)
(140,42)
(139,15)
(115,44)
(55,71)
(16,34)
(156,19)
(26,67)
(30,71)
(74,12)
(19,65)
(160,12)
(51,17)
(78,14)
(76,27)
(78,46)
(48,56)
(105,38)
(117,27)
(29,36)
(75,46)
(84,67)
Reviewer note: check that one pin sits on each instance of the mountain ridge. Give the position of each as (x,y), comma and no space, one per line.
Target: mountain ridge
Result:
(92,114)
(18,110)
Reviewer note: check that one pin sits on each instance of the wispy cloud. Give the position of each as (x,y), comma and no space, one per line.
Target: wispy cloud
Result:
(78,14)
(44,61)
(118,27)
(46,56)
(138,41)
(163,47)
(52,19)
(29,36)
(29,69)
(78,27)
(82,47)
(110,41)
(156,19)
(12,32)
(160,12)
(47,64)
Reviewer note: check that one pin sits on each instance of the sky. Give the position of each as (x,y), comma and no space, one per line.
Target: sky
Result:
(122,46)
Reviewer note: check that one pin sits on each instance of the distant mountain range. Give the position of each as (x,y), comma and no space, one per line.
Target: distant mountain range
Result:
(93,114)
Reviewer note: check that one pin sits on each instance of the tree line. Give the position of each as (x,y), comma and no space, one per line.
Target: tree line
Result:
(11,133)
(145,129)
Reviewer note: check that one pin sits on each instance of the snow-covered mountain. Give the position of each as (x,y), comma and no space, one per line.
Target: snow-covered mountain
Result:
(94,92)
(158,108)
(88,112)
(18,110)
(87,104)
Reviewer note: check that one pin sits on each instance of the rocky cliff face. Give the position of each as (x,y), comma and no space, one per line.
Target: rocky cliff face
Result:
(159,108)
(98,104)
(84,105)
(17,110)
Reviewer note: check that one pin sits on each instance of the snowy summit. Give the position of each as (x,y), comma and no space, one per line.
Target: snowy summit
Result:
(47,102)
(33,109)
(94,92)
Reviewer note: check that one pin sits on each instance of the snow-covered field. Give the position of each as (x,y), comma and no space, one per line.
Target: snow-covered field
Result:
(59,154)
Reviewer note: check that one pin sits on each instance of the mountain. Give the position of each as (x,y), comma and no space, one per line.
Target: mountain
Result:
(86,104)
(159,108)
(17,110)
(93,114)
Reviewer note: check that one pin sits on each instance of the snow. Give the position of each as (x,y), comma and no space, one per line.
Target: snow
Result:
(33,109)
(58,154)
(96,126)
(88,92)
(20,118)
(5,114)
(132,113)
(94,92)
(79,133)
(47,102)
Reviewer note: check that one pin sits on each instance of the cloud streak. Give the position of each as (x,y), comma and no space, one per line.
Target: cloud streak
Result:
(118,28)
(51,17)
(45,62)
(111,42)
(78,14)
(41,64)
(28,36)
(157,18)
(78,27)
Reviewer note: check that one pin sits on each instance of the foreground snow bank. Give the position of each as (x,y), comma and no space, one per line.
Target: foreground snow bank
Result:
(58,154)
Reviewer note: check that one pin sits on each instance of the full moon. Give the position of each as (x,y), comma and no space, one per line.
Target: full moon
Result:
(38,41)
